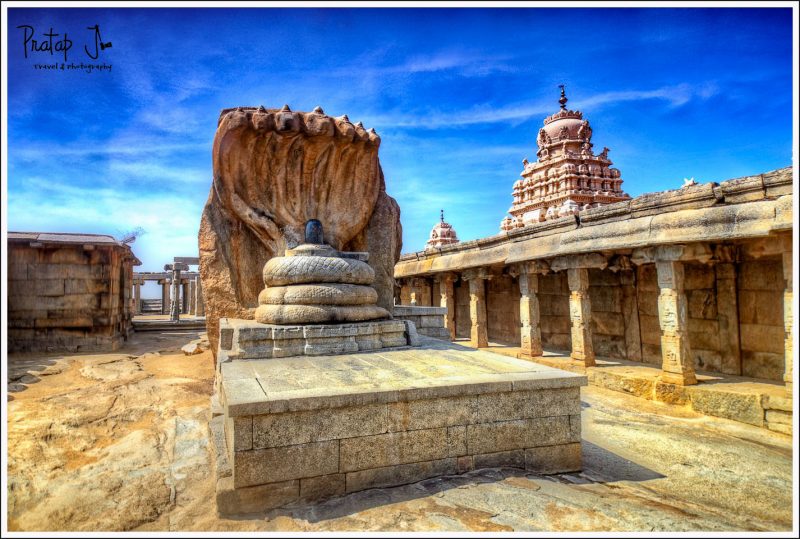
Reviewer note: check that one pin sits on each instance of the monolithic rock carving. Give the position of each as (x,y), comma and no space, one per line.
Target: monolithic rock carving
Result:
(273,171)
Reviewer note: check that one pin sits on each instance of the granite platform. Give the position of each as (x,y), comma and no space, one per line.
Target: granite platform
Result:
(248,339)
(303,429)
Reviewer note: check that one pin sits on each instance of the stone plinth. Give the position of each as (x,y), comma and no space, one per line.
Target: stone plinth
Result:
(429,321)
(306,429)
(248,339)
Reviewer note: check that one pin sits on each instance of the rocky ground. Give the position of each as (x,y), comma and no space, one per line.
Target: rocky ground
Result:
(120,442)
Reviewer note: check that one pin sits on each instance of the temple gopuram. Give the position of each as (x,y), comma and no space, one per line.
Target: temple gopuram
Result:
(441,234)
(567,177)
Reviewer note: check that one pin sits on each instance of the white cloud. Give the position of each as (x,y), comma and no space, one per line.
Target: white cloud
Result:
(675,96)
(170,221)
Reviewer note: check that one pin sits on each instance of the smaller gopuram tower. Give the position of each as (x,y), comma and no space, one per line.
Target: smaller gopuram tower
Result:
(441,234)
(567,177)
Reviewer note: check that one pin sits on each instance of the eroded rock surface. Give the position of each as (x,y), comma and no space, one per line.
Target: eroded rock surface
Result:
(273,171)
(121,442)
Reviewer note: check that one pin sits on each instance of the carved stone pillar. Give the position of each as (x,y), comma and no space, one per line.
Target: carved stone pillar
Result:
(727,309)
(478,334)
(580,313)
(164,295)
(200,306)
(788,318)
(448,301)
(529,313)
(175,307)
(192,296)
(677,363)
(185,296)
(137,297)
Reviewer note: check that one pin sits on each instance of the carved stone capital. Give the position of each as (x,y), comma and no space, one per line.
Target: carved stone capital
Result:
(621,263)
(447,277)
(583,261)
(725,254)
(475,274)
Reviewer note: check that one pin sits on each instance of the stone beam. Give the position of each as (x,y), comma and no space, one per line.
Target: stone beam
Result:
(177,266)
(190,260)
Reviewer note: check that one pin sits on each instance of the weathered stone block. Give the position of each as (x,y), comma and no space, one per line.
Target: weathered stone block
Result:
(698,276)
(760,275)
(239,433)
(702,304)
(431,321)
(66,255)
(780,427)
(60,271)
(432,413)
(555,324)
(518,434)
(48,287)
(730,405)
(528,404)
(633,385)
(402,474)
(602,278)
(66,322)
(400,448)
(231,501)
(670,393)
(775,402)
(558,341)
(606,299)
(277,464)
(650,329)
(762,338)
(513,459)
(322,487)
(608,323)
(554,459)
(778,417)
(703,334)
(766,312)
(707,360)
(766,365)
(611,346)
(292,428)
(739,190)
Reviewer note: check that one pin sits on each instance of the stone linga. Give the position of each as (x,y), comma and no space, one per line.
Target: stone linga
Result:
(314,283)
(274,169)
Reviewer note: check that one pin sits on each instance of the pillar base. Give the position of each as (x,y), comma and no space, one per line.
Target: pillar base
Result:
(688,379)
(588,361)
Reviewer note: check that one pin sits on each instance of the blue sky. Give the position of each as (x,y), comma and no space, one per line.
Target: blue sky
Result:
(457,95)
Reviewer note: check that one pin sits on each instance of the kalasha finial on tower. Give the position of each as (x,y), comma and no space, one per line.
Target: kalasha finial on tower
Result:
(563,99)
(441,215)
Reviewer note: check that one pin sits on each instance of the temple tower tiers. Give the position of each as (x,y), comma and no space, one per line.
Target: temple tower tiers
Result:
(441,234)
(567,177)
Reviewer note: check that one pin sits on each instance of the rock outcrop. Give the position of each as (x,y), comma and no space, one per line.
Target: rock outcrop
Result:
(274,169)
